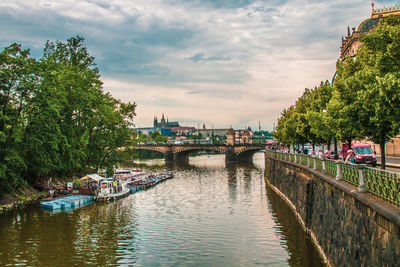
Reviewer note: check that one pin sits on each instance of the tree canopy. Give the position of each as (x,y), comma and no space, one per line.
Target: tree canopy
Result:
(55,118)
(363,103)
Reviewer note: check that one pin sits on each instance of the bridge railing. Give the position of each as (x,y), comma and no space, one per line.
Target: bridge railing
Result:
(261,146)
(381,183)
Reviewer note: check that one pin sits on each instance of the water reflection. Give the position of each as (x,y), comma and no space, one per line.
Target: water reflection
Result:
(91,235)
(210,214)
(232,182)
(296,241)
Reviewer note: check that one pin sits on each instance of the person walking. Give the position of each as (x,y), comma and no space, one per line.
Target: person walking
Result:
(320,154)
(350,156)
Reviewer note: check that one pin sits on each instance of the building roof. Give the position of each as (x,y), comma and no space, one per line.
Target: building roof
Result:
(231,131)
(182,128)
(384,12)
(351,42)
(172,124)
(376,16)
(368,24)
(212,130)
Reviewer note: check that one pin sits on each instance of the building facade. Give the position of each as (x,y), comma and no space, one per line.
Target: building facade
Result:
(352,42)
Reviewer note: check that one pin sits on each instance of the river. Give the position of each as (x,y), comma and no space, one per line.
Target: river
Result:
(210,214)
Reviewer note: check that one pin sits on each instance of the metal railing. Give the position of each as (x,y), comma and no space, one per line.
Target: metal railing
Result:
(350,173)
(331,168)
(319,164)
(381,183)
(384,184)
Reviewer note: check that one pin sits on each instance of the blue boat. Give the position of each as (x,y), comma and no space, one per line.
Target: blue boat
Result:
(67,203)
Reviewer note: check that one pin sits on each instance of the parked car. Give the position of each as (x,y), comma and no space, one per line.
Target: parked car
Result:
(151,143)
(177,142)
(329,154)
(362,153)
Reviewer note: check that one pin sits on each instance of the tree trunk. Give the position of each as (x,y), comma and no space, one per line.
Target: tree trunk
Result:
(383,156)
(335,147)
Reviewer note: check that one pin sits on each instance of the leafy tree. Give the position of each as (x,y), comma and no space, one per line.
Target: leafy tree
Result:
(94,124)
(344,109)
(363,103)
(300,119)
(379,73)
(18,84)
(155,134)
(55,119)
(316,116)
(285,131)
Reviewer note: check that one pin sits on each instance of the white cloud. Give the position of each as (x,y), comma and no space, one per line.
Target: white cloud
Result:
(226,63)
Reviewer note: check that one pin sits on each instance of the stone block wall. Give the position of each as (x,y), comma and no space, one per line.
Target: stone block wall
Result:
(350,228)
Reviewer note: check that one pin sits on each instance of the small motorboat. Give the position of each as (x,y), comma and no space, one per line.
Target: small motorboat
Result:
(111,189)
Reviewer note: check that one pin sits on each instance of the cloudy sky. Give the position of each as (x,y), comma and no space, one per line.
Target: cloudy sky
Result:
(218,62)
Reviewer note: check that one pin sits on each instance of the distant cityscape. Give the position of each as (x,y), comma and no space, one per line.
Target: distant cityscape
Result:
(173,130)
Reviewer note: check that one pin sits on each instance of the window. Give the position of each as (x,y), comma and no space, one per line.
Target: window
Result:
(363,150)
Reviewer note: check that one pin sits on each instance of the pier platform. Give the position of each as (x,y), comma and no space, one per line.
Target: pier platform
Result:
(67,203)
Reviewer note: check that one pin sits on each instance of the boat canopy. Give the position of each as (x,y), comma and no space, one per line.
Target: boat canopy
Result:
(93,176)
(122,171)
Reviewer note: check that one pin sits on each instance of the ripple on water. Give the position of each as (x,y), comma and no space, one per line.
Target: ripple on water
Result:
(208,215)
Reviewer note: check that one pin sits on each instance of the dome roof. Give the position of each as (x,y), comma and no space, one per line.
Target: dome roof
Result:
(368,24)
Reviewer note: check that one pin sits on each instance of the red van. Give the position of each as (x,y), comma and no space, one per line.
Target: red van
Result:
(362,153)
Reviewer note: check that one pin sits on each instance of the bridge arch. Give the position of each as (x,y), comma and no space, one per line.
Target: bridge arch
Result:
(159,150)
(233,153)
(246,154)
(153,148)
(182,153)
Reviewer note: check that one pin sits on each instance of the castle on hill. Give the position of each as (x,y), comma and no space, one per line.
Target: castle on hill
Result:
(164,123)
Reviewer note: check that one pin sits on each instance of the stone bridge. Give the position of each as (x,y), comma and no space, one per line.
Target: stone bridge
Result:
(235,153)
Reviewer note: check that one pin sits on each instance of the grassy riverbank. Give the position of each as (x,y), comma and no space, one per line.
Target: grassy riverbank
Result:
(26,196)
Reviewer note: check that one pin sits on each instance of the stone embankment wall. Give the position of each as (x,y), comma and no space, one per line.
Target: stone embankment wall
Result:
(349,228)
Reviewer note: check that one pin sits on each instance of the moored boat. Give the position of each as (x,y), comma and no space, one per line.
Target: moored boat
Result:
(143,181)
(104,188)
(112,189)
(123,183)
(67,203)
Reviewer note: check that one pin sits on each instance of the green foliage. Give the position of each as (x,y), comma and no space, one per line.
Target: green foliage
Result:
(364,101)
(157,137)
(18,84)
(55,120)
(305,121)
(147,154)
(317,116)
(379,59)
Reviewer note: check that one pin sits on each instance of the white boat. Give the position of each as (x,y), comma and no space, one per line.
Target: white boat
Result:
(112,189)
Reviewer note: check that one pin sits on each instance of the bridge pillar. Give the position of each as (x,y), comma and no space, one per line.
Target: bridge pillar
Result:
(182,156)
(230,155)
(169,156)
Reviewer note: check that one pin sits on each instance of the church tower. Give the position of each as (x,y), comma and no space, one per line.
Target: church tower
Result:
(163,121)
(230,137)
(246,137)
(155,122)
